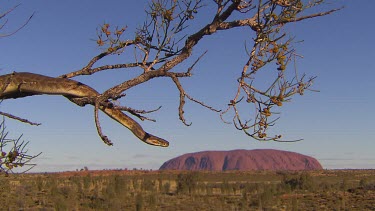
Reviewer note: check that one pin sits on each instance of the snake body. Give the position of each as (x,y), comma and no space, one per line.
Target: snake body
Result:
(16,85)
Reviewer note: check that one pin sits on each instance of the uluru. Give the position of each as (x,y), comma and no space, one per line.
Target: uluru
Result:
(257,159)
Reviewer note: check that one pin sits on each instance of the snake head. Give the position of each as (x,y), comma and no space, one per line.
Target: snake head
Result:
(156,141)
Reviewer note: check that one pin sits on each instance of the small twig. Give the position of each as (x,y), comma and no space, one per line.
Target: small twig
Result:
(105,139)
(118,97)
(182,100)
(10,34)
(87,69)
(19,119)
(196,61)
(136,112)
(9,11)
(310,16)
(202,103)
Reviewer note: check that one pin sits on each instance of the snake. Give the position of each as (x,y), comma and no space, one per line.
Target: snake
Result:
(23,84)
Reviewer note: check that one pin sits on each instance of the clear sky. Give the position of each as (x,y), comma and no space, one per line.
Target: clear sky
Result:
(335,123)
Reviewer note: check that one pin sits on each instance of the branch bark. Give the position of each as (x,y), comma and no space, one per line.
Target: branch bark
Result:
(163,42)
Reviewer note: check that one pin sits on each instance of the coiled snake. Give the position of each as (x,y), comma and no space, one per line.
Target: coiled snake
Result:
(16,85)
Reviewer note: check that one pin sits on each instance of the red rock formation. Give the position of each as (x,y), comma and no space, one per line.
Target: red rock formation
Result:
(258,159)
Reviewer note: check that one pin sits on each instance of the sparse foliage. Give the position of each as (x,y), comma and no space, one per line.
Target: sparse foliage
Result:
(13,152)
(164,41)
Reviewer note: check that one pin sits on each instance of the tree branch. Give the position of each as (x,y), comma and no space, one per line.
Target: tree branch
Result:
(19,118)
(19,28)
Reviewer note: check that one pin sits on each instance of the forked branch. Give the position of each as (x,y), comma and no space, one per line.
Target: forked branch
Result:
(164,41)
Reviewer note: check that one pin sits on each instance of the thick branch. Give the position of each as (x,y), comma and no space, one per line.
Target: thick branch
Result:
(196,37)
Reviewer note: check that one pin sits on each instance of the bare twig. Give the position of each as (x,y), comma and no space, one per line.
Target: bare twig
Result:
(182,100)
(98,127)
(19,28)
(19,118)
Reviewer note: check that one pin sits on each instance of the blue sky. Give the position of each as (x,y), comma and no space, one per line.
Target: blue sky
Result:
(335,123)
